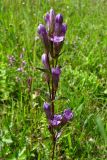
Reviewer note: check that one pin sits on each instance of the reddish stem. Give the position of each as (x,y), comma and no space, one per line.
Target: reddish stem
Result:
(53,96)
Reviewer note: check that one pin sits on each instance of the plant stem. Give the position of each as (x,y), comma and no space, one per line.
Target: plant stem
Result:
(52,92)
(52,98)
(53,149)
(49,90)
(56,62)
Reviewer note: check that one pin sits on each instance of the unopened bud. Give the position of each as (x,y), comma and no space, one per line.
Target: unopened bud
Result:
(45,60)
(44,36)
(59,18)
(52,21)
(47,109)
(55,76)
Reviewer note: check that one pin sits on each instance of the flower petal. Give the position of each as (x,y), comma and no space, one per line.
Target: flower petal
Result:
(57,39)
(67,115)
(56,121)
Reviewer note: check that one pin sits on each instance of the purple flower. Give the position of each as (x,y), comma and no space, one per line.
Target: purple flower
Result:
(57,39)
(60,120)
(44,36)
(42,30)
(67,115)
(56,71)
(63,29)
(45,60)
(57,45)
(58,24)
(47,17)
(55,77)
(56,121)
(50,21)
(47,109)
(60,30)
(59,18)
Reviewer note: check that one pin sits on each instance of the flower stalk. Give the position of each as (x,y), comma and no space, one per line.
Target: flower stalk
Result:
(52,37)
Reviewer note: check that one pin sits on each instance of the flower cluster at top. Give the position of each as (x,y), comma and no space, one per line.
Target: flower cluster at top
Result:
(52,36)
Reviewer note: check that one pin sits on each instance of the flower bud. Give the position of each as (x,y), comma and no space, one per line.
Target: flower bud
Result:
(47,109)
(55,77)
(64,28)
(42,30)
(47,17)
(52,21)
(45,60)
(58,28)
(59,18)
(44,36)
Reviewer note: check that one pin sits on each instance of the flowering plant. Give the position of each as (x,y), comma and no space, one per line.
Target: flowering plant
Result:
(52,37)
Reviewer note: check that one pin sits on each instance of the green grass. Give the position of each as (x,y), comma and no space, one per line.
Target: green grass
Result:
(24,133)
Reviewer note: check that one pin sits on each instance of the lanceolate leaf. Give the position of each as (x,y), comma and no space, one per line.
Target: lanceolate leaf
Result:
(44,70)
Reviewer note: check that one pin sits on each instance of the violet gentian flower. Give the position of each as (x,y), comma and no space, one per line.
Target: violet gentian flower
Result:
(45,60)
(56,121)
(50,21)
(57,39)
(55,77)
(59,18)
(58,24)
(47,19)
(63,29)
(59,35)
(47,109)
(53,39)
(67,115)
(60,120)
(43,36)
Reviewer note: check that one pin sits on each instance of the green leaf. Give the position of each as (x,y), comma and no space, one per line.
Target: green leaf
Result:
(102,131)
(43,70)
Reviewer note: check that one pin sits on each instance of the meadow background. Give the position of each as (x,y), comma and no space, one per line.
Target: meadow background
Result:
(83,83)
